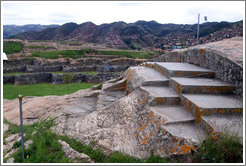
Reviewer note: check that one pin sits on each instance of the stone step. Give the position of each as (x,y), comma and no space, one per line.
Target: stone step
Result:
(156,83)
(162,95)
(149,75)
(200,85)
(232,124)
(116,84)
(172,69)
(149,64)
(173,114)
(186,130)
(207,104)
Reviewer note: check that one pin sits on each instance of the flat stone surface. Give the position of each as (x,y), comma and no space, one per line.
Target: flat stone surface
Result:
(215,101)
(149,74)
(230,48)
(200,81)
(160,91)
(232,124)
(107,98)
(173,113)
(182,67)
(83,106)
(186,130)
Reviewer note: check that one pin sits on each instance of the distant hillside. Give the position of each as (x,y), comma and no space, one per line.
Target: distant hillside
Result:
(11,30)
(140,34)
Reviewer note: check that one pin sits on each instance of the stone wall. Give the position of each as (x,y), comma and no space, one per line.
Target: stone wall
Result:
(42,77)
(33,78)
(14,69)
(8,79)
(70,65)
(17,62)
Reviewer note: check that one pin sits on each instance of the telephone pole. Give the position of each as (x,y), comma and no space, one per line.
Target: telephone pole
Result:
(197,35)
(21,125)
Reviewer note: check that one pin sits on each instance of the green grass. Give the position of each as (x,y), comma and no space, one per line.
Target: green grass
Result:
(220,149)
(11,91)
(45,147)
(55,54)
(80,53)
(10,47)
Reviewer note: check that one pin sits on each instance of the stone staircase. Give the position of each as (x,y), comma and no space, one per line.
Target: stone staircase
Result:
(191,100)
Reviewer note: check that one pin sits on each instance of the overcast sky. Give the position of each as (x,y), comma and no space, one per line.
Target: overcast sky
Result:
(183,12)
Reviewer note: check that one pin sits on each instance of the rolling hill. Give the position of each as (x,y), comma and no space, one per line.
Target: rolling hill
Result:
(136,35)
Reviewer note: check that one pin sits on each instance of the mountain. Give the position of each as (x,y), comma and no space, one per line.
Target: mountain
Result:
(11,30)
(140,34)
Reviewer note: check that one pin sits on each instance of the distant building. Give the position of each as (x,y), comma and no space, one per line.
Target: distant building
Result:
(177,47)
(4,56)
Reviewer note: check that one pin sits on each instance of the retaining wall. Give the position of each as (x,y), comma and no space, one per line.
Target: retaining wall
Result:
(35,78)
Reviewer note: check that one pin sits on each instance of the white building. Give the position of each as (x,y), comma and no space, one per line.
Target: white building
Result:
(4,56)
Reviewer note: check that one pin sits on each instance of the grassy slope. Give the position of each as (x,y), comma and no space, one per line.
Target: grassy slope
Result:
(80,53)
(43,89)
(10,47)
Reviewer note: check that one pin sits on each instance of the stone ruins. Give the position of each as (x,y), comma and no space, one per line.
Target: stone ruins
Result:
(164,107)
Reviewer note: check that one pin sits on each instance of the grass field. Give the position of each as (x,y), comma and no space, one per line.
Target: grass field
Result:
(93,73)
(80,53)
(10,47)
(11,91)
(55,54)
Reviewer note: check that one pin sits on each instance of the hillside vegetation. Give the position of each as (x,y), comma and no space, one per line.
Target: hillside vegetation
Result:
(136,35)
(82,52)
(10,47)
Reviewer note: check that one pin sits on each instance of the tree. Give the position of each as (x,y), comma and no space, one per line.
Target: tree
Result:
(67,78)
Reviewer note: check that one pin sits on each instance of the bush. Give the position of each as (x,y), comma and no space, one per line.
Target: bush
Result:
(10,47)
(67,78)
(220,149)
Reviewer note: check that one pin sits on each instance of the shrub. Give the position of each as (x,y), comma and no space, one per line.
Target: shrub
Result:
(220,149)
(67,78)
(10,47)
